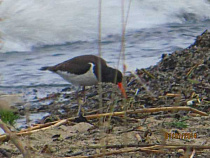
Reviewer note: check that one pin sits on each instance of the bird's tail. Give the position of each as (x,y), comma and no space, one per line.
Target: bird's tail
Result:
(45,68)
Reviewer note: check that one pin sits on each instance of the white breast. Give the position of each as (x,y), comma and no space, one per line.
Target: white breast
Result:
(87,79)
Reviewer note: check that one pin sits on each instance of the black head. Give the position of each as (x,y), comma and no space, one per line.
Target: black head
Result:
(114,76)
(111,75)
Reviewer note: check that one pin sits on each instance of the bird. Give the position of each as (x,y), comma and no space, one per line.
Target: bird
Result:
(84,71)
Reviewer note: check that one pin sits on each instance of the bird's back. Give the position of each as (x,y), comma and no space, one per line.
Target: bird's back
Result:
(77,65)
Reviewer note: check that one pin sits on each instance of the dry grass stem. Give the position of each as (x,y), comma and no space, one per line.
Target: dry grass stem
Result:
(118,152)
(13,137)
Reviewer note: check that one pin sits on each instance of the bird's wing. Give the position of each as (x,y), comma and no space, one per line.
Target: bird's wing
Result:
(73,68)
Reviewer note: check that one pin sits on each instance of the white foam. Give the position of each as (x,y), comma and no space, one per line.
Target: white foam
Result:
(28,23)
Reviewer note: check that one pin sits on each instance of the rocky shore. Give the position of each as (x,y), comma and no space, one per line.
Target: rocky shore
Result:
(179,79)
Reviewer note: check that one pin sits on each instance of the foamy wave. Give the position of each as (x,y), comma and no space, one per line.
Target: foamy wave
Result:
(29,23)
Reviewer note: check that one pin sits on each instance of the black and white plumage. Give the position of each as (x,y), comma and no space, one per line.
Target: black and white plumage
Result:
(84,71)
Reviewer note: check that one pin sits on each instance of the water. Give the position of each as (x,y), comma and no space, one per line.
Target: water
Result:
(36,33)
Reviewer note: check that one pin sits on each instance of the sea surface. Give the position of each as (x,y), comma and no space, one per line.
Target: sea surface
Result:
(36,33)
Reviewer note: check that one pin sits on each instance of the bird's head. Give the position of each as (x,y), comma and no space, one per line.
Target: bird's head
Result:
(114,76)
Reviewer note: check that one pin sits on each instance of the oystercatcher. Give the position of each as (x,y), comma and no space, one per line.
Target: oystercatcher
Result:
(84,71)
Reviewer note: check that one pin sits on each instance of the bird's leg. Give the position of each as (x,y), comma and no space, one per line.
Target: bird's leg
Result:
(83,93)
(78,102)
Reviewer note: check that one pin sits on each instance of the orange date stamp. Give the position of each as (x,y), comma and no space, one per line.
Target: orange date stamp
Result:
(184,135)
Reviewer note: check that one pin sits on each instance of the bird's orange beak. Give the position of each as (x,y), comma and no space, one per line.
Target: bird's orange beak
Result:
(120,85)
